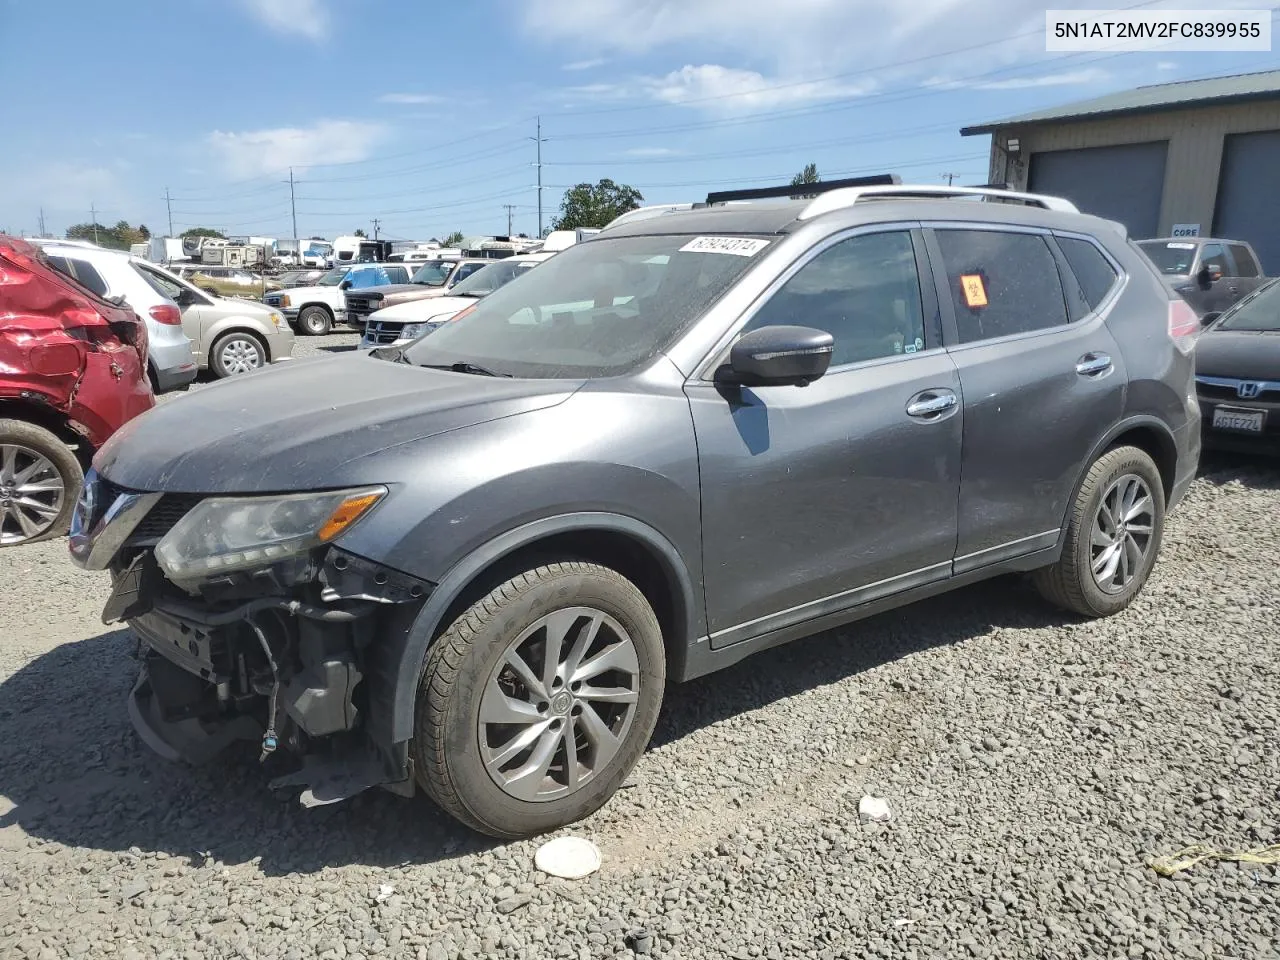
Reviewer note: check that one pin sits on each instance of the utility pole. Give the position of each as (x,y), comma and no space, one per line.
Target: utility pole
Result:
(950,178)
(93,218)
(168,203)
(508,207)
(376,221)
(293,207)
(42,233)
(539,141)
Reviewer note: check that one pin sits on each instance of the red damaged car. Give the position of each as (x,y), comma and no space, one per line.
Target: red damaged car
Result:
(72,372)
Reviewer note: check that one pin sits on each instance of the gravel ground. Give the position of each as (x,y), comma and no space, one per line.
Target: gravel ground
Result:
(1033,764)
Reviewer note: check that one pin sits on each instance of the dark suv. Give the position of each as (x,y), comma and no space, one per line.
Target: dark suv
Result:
(473,563)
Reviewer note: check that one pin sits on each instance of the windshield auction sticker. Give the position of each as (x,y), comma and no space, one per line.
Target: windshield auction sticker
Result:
(735,246)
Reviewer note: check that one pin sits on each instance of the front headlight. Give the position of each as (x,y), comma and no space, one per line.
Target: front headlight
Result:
(412,331)
(236,533)
(277,319)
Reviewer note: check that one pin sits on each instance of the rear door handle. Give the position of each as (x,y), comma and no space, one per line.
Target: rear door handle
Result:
(932,404)
(1093,365)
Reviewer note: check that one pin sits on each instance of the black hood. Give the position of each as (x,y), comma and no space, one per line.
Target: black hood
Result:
(1242,354)
(302,425)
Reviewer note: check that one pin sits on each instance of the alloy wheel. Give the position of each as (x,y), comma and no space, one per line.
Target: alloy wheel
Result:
(558,705)
(1122,531)
(31,493)
(239,356)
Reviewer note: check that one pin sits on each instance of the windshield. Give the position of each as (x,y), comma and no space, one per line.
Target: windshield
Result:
(598,309)
(433,273)
(1173,258)
(1259,312)
(333,277)
(488,279)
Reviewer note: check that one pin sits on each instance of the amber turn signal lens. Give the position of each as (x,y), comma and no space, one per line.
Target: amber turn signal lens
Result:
(348,512)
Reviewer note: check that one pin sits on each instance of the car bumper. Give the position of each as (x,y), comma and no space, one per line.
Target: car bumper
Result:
(280,344)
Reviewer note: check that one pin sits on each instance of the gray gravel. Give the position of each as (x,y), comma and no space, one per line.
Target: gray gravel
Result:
(1033,765)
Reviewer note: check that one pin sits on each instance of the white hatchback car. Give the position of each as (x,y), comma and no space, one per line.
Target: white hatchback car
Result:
(405,322)
(171,363)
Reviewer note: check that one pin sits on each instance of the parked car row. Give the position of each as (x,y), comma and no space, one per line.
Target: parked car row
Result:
(73,370)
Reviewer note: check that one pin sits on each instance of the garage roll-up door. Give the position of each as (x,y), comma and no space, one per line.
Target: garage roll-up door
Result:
(1120,183)
(1249,195)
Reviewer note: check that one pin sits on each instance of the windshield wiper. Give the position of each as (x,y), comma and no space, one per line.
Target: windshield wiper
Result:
(463,366)
(471,293)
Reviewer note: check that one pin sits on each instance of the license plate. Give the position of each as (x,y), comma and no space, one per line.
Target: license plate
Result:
(1242,421)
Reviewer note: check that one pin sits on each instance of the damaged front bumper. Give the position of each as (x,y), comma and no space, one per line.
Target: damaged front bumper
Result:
(289,656)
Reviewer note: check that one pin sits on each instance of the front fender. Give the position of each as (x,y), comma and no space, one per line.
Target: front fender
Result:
(402,658)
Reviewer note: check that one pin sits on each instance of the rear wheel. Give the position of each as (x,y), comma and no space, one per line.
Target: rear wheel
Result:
(39,482)
(1113,536)
(237,353)
(314,321)
(538,700)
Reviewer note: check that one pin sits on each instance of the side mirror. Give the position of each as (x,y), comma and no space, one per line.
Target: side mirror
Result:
(778,356)
(1207,276)
(345,285)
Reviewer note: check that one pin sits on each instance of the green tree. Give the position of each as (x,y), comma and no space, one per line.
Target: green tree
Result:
(585,205)
(359,233)
(452,240)
(118,237)
(808,175)
(203,232)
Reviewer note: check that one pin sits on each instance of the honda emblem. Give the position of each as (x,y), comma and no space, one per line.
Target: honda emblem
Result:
(1248,389)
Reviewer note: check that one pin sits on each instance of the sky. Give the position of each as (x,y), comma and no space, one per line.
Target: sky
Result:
(423,115)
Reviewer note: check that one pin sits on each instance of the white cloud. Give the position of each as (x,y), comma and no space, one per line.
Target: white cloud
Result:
(585,64)
(304,18)
(251,153)
(410,98)
(651,152)
(66,190)
(734,89)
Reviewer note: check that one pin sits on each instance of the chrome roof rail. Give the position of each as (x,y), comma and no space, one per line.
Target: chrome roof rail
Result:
(841,199)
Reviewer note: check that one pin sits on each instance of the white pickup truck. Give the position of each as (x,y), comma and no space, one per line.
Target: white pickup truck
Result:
(314,310)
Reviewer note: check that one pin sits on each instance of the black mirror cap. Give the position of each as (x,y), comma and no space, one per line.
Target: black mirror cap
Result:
(778,356)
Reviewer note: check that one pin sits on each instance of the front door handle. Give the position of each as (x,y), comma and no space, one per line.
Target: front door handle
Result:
(932,404)
(1093,365)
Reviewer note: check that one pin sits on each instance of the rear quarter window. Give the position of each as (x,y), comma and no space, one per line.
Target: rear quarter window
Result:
(1092,272)
(81,271)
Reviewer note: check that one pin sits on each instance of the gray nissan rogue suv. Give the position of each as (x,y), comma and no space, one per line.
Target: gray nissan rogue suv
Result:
(471,564)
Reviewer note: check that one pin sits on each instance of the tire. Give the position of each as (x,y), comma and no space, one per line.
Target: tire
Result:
(314,321)
(466,670)
(22,444)
(1071,583)
(237,353)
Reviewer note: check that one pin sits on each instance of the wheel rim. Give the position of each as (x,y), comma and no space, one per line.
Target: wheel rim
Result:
(239,356)
(1122,531)
(314,324)
(32,493)
(558,705)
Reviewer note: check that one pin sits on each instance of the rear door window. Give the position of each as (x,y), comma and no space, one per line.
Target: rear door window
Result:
(1001,283)
(1246,264)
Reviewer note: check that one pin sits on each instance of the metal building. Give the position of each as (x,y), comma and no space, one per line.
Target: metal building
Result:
(1199,156)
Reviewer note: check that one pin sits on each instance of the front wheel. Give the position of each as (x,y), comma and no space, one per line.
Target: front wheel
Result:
(237,353)
(314,321)
(40,480)
(538,700)
(1113,536)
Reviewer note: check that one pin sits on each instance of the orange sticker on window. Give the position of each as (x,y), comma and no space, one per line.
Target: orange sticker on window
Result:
(975,294)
